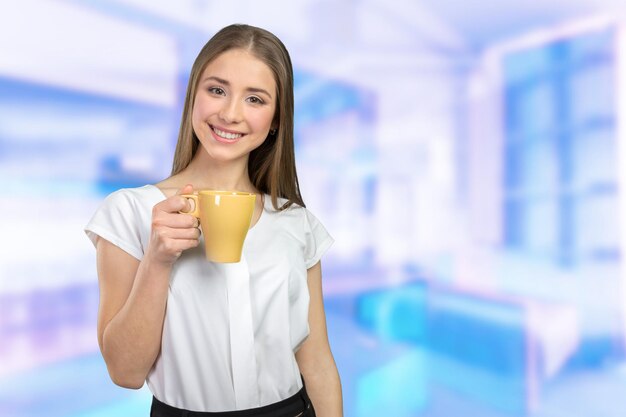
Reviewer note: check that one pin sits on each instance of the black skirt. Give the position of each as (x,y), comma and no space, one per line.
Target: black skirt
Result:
(296,405)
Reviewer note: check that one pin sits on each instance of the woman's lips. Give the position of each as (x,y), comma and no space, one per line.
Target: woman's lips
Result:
(225,136)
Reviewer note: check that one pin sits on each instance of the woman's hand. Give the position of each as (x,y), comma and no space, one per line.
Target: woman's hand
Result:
(172,232)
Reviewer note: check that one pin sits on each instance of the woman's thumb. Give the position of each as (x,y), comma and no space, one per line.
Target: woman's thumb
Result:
(189,202)
(187,189)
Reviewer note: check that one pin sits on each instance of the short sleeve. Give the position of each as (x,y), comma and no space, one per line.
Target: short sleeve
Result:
(317,239)
(115,221)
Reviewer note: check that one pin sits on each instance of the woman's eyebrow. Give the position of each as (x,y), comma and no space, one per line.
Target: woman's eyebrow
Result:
(226,83)
(219,80)
(258,90)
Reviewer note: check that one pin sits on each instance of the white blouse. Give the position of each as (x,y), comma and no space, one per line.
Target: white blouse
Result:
(231,330)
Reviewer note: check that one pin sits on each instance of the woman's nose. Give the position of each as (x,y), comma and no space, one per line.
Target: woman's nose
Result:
(230,112)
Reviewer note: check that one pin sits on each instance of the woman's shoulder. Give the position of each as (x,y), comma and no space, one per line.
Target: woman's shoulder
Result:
(169,186)
(135,196)
(299,213)
(289,213)
(136,192)
(283,205)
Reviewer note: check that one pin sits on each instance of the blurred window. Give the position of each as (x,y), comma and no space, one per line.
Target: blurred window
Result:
(561,172)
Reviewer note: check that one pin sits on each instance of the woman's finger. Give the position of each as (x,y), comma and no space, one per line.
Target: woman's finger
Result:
(179,233)
(176,220)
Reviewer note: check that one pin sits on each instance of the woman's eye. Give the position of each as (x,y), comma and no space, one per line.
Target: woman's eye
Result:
(216,90)
(255,100)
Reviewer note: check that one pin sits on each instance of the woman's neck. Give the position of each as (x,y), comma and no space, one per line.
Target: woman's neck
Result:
(204,173)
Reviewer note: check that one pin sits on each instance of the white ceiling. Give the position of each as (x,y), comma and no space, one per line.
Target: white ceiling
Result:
(483,22)
(381,29)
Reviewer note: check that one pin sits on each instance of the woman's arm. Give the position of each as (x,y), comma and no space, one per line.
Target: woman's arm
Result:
(131,312)
(133,294)
(315,358)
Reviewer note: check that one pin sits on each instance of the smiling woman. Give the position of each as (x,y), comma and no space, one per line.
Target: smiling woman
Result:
(233,106)
(236,338)
(271,165)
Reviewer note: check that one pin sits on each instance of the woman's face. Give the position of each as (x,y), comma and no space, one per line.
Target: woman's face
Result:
(234,105)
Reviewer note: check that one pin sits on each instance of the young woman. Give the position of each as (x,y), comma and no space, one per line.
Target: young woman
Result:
(221,339)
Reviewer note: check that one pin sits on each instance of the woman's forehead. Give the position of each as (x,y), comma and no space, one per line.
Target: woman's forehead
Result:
(240,67)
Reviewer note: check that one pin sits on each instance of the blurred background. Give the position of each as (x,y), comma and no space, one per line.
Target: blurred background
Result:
(468,157)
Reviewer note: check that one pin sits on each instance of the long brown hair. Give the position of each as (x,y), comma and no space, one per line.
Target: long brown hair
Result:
(271,166)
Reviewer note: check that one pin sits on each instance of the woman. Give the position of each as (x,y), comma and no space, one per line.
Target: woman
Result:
(221,339)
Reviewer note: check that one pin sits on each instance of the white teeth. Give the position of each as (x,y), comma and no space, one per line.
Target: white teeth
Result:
(227,135)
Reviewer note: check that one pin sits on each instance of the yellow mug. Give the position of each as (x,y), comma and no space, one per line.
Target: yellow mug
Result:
(225,218)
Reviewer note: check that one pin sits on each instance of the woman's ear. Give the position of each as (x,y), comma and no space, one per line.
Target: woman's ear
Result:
(273,127)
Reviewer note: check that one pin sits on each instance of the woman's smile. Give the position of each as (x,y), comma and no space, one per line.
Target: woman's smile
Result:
(225,136)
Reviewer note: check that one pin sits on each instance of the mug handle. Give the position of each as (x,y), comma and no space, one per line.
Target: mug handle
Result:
(196,209)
